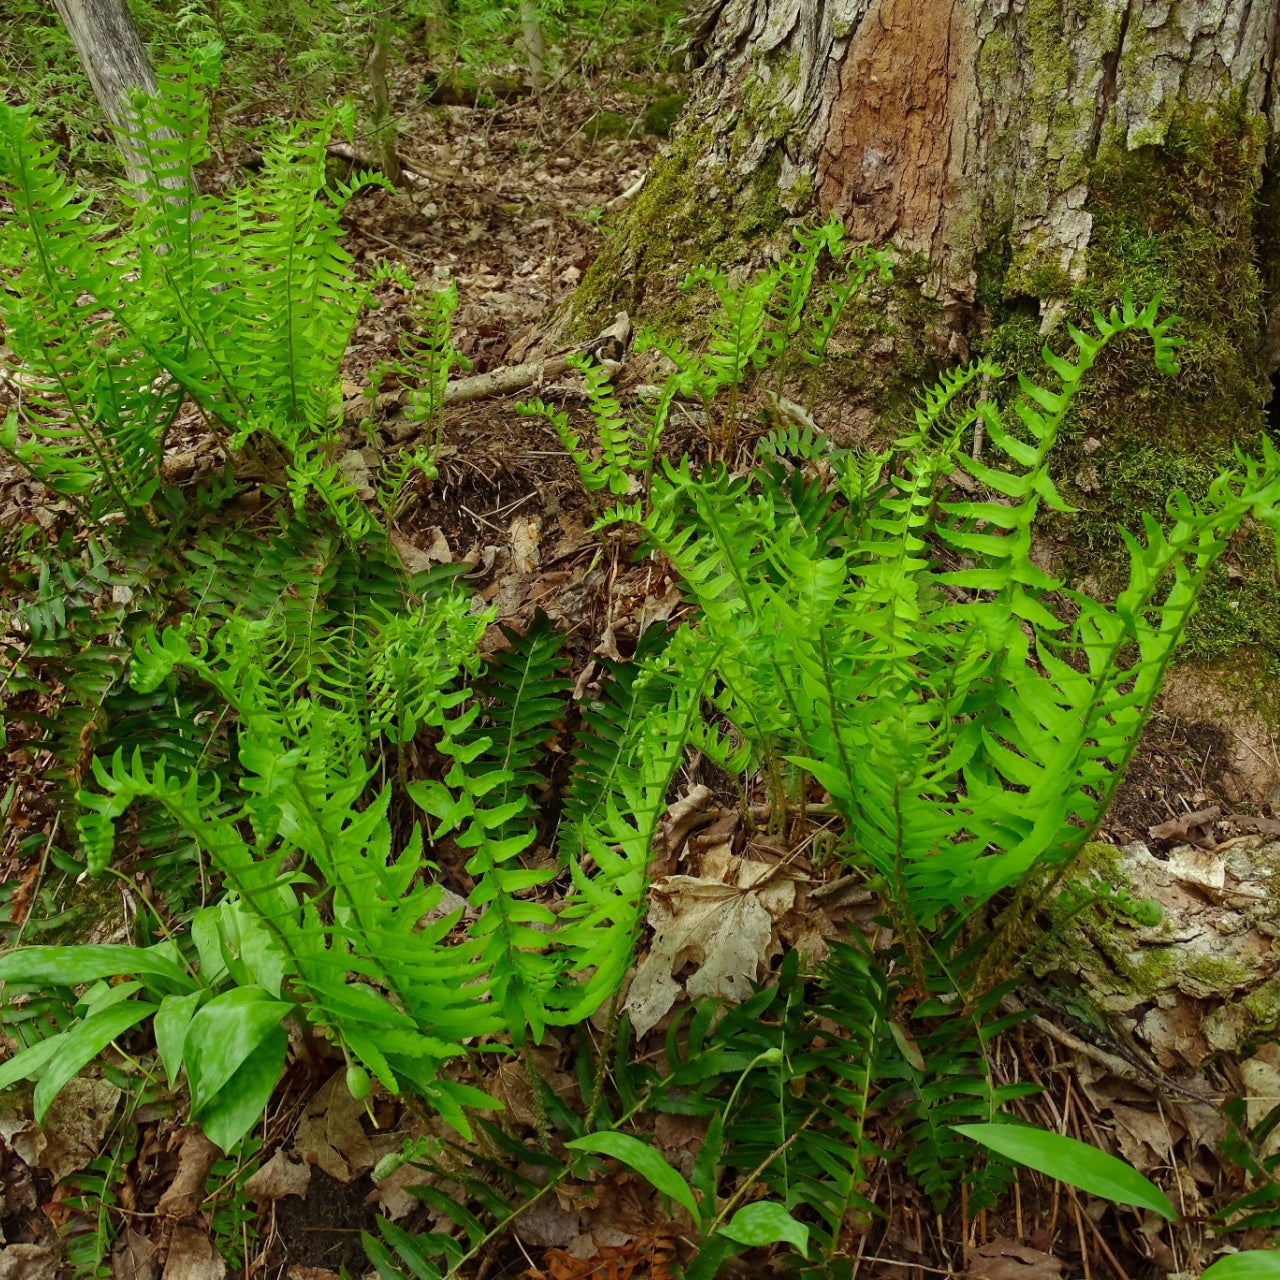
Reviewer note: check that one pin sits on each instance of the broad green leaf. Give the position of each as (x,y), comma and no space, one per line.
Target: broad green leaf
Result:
(766,1222)
(28,1063)
(79,1046)
(171,1022)
(1075,1163)
(102,995)
(641,1157)
(223,1034)
(70,966)
(257,950)
(235,1108)
(1255,1264)
(206,932)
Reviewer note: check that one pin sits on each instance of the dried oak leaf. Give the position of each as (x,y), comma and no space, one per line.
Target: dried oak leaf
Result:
(726,930)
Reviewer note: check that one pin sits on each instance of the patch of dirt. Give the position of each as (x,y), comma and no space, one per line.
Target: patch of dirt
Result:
(323,1230)
(1177,768)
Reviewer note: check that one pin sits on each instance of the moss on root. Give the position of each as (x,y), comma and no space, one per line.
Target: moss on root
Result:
(892,342)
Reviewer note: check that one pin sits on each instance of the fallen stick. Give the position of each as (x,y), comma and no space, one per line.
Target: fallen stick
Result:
(608,347)
(502,382)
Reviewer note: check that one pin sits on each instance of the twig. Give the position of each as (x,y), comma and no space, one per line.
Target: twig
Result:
(503,382)
(1118,1066)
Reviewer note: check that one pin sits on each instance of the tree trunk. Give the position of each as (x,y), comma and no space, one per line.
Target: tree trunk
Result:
(535,46)
(1031,160)
(116,63)
(384,128)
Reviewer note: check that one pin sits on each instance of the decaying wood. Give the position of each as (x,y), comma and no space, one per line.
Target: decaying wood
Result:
(1119,1067)
(608,345)
(504,382)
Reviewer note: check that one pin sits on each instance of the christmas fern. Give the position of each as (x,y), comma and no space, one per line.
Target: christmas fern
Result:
(917,666)
(96,407)
(243,303)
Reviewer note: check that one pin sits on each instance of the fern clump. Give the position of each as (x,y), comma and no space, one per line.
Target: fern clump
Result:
(886,638)
(242,303)
(770,320)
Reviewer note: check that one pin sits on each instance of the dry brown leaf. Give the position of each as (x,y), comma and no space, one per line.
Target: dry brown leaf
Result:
(548,1224)
(186,1190)
(331,1133)
(193,1257)
(278,1178)
(28,1262)
(680,1138)
(133,1257)
(1002,1259)
(76,1124)
(684,817)
(726,930)
(1197,826)
(1261,1076)
(526,535)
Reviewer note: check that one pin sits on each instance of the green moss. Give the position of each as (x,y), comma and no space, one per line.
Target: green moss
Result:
(890,345)
(1212,975)
(763,112)
(662,115)
(688,213)
(1153,972)
(608,124)
(1263,1006)
(1175,220)
(1101,861)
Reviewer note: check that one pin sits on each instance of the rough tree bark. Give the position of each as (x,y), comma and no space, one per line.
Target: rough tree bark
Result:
(115,61)
(1031,160)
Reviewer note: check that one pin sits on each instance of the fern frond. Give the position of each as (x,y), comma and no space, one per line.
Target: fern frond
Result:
(96,408)
(609,730)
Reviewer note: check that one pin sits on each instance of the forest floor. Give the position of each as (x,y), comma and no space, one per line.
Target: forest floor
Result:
(510,209)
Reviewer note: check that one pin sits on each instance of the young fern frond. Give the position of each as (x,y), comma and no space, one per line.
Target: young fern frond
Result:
(427,356)
(244,302)
(840,294)
(614,431)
